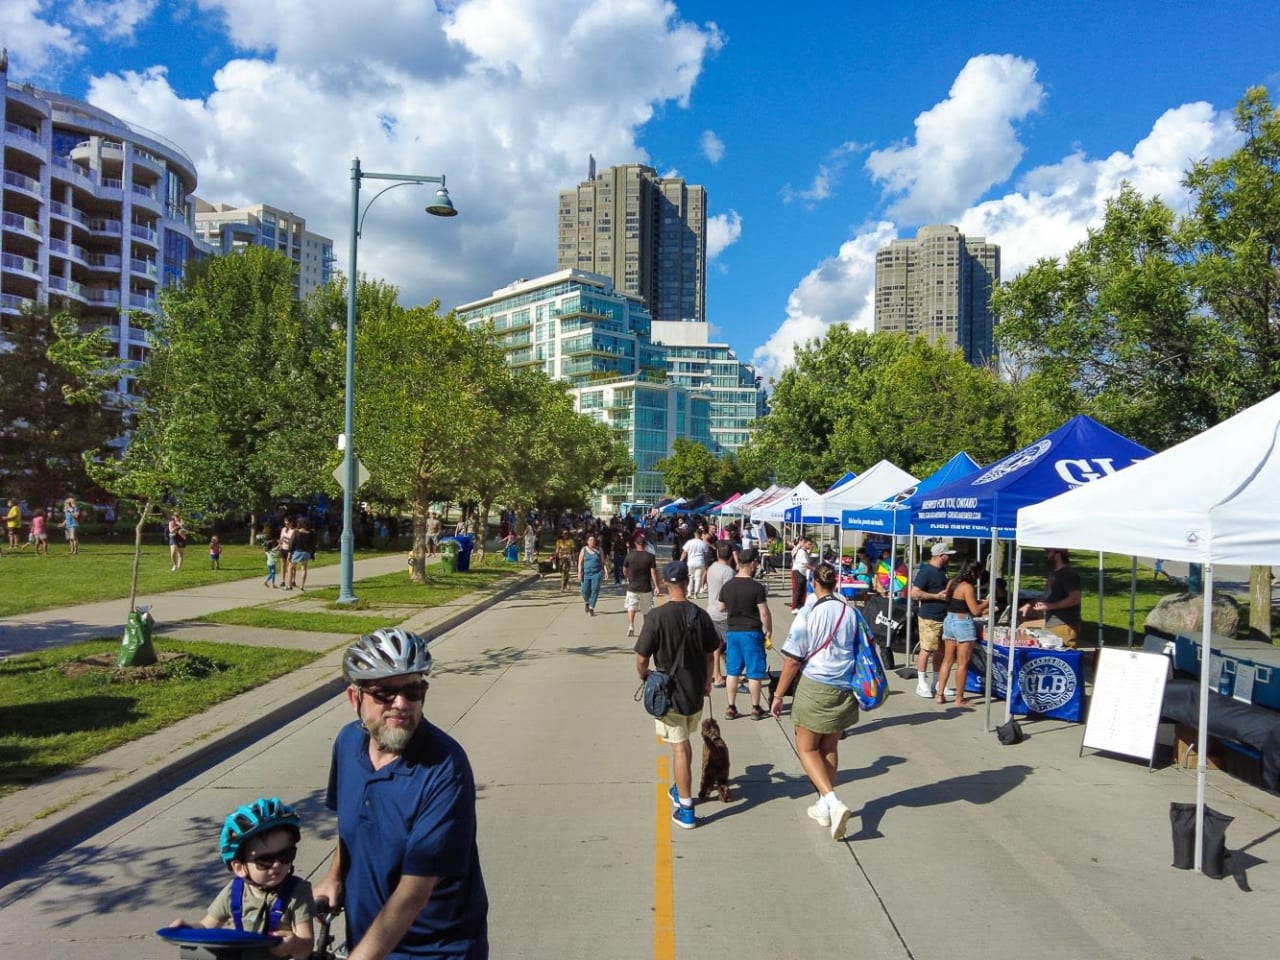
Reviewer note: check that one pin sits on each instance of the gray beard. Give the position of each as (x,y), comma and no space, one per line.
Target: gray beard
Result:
(394,739)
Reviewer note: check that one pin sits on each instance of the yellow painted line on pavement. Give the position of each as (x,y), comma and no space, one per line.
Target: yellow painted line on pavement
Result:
(664,907)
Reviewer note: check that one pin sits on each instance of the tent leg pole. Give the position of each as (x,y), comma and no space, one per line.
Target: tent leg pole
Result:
(1101,640)
(1133,594)
(1202,759)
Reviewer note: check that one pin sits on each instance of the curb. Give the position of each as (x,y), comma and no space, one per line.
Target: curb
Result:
(47,834)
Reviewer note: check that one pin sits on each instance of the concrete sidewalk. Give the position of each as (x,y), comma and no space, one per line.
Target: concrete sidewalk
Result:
(959,847)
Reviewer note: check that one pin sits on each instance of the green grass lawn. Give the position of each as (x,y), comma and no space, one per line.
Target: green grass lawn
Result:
(397,590)
(54,717)
(282,618)
(102,569)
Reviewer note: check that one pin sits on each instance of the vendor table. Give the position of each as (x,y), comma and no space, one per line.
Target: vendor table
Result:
(1049,683)
(1229,719)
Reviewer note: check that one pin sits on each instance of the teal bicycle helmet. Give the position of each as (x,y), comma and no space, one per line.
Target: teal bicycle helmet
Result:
(265,813)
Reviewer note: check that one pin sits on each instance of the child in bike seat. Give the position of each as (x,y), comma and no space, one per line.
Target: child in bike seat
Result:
(259,844)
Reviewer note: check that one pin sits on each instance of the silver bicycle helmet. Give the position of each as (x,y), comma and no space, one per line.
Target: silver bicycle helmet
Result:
(389,652)
(265,813)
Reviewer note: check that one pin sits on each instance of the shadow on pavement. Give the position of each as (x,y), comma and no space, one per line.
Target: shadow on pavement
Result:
(977,788)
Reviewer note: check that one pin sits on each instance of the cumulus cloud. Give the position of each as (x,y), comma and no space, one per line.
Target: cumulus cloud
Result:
(427,88)
(723,229)
(37,46)
(964,145)
(841,289)
(1049,211)
(112,19)
(825,180)
(712,146)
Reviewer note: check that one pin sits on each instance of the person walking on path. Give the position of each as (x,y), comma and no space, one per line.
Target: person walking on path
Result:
(564,557)
(958,630)
(641,571)
(177,542)
(718,574)
(285,543)
(71,525)
(13,522)
(407,866)
(531,541)
(695,554)
(40,533)
(679,639)
(304,548)
(745,601)
(801,563)
(590,573)
(823,705)
(929,590)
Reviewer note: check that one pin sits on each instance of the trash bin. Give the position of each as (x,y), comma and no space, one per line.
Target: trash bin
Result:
(449,550)
(466,543)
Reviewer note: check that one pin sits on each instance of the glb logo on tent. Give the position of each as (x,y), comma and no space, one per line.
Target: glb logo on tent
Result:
(1077,472)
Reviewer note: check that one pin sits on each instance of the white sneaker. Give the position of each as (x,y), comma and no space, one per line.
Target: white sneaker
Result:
(819,812)
(950,691)
(839,815)
(923,689)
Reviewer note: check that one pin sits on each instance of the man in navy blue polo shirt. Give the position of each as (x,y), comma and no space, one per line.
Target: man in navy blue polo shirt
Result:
(407,869)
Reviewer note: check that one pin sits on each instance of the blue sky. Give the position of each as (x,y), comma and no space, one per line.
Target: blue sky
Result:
(820,130)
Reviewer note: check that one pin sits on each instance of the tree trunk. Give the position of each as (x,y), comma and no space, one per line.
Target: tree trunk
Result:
(483,523)
(137,553)
(418,555)
(1260,604)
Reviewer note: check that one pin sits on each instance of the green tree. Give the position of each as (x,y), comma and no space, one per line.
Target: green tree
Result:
(42,435)
(690,470)
(1113,331)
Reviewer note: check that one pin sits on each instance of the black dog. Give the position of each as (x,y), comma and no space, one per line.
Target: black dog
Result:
(715,762)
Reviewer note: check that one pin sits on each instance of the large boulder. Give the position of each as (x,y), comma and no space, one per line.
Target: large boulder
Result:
(1183,613)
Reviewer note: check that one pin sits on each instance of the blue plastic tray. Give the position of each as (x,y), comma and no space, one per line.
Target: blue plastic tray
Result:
(215,937)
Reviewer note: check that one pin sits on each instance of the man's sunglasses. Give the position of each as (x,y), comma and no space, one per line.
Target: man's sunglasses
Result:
(265,861)
(413,692)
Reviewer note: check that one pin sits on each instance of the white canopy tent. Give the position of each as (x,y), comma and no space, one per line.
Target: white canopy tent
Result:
(1211,499)
(742,506)
(882,480)
(775,510)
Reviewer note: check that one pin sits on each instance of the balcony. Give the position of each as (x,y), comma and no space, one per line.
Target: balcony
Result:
(22,182)
(145,268)
(24,139)
(103,227)
(60,209)
(102,295)
(140,231)
(64,168)
(143,159)
(68,288)
(13,263)
(104,262)
(146,197)
(142,301)
(19,224)
(12,303)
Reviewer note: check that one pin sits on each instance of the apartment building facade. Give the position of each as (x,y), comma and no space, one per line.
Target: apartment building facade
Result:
(939,285)
(645,232)
(95,213)
(226,229)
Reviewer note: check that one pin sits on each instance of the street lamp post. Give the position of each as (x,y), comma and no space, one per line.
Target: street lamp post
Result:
(441,206)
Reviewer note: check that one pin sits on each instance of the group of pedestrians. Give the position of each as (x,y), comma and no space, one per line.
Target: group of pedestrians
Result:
(290,553)
(41,520)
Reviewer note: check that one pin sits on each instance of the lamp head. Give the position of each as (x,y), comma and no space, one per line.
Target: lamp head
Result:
(442,206)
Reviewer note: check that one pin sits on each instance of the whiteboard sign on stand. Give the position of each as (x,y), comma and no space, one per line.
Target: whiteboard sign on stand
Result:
(1124,711)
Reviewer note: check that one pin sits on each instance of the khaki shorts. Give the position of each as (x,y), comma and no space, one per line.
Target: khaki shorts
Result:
(678,727)
(930,634)
(635,600)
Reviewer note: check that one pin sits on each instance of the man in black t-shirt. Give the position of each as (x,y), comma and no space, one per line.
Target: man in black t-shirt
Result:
(746,601)
(929,591)
(682,641)
(1058,611)
(640,569)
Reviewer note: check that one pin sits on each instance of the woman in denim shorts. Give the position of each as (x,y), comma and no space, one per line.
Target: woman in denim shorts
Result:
(959,631)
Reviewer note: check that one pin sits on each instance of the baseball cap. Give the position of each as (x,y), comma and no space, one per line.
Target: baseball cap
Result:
(677,571)
(941,549)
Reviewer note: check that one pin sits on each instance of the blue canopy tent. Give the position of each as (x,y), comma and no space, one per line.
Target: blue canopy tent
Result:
(892,516)
(986,503)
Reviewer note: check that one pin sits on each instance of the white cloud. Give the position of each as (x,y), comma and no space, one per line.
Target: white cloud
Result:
(479,92)
(113,19)
(838,290)
(723,230)
(1049,212)
(712,146)
(825,180)
(964,145)
(36,46)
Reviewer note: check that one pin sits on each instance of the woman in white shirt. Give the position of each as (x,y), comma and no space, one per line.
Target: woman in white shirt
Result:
(824,704)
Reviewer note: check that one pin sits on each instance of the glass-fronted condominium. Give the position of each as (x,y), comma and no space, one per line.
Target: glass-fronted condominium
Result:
(647,233)
(647,417)
(737,395)
(96,212)
(570,324)
(939,286)
(226,229)
(575,326)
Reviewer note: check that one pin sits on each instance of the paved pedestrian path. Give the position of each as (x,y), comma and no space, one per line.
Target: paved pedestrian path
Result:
(959,847)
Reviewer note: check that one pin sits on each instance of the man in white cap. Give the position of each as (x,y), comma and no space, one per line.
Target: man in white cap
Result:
(929,591)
